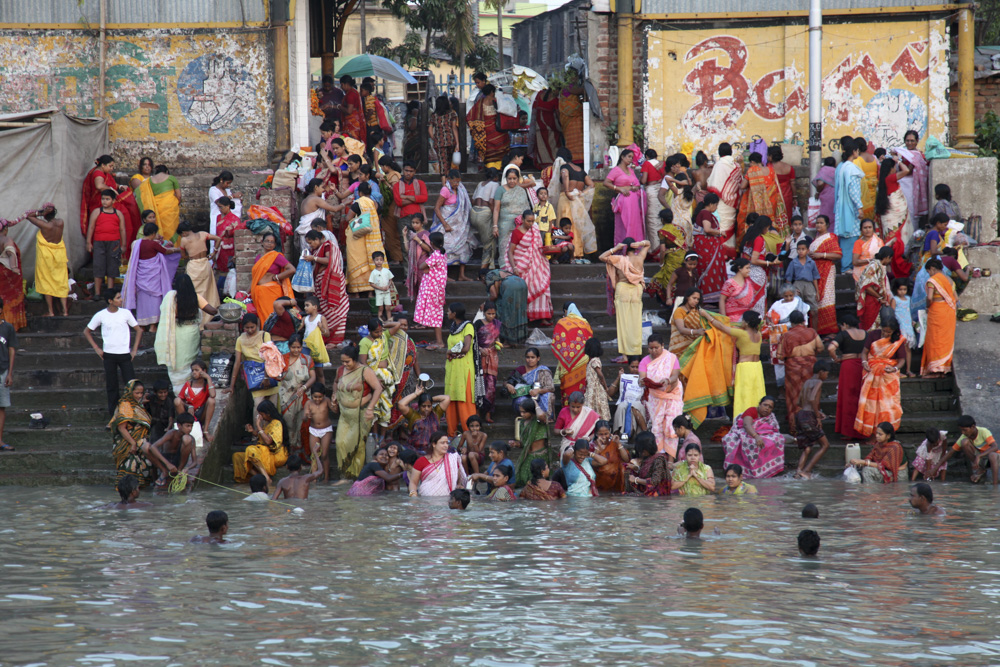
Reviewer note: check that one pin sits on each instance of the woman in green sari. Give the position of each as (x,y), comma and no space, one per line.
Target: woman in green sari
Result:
(510,294)
(510,201)
(130,425)
(531,435)
(358,392)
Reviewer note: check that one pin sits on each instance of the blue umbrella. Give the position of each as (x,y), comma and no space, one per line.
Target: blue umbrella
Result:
(368,65)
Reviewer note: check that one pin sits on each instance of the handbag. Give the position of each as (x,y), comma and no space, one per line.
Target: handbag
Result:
(302,281)
(255,376)
(507,123)
(363,221)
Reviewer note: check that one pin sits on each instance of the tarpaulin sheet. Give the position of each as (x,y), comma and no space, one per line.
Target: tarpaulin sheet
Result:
(47,162)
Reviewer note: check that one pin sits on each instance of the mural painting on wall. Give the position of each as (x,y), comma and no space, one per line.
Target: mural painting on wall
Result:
(182,92)
(753,83)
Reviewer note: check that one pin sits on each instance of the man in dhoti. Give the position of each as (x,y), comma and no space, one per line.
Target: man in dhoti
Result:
(726,180)
(51,275)
(199,266)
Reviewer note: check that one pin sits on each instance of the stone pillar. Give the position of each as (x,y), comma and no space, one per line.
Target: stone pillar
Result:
(247,247)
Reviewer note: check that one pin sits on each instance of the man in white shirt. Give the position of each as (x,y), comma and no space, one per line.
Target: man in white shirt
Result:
(116,348)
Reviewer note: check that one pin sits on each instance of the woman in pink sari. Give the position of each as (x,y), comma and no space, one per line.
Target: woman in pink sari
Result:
(913,175)
(575,421)
(525,259)
(630,204)
(739,293)
(438,473)
(824,183)
(756,443)
(659,373)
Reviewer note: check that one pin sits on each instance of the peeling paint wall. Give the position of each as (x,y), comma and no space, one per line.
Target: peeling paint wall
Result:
(881,79)
(188,98)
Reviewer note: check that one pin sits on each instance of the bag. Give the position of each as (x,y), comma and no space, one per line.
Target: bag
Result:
(813,212)
(758,146)
(220,369)
(284,179)
(255,376)
(506,105)
(302,281)
(363,221)
(507,123)
(229,287)
(852,476)
(317,347)
(647,331)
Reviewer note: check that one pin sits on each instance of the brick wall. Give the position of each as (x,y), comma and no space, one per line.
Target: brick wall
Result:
(987,99)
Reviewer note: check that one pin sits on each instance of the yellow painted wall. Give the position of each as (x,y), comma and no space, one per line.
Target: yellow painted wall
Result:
(880,79)
(193,99)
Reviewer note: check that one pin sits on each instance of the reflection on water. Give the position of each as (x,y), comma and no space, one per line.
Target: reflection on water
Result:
(595,582)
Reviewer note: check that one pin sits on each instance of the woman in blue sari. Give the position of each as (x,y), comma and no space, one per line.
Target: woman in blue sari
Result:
(578,471)
(847,201)
(451,218)
(535,381)
(510,294)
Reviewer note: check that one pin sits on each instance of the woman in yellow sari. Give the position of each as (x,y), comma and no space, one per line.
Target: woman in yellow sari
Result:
(364,237)
(869,166)
(865,247)
(762,197)
(942,303)
(271,450)
(130,425)
(271,278)
(685,323)
(568,340)
(145,171)
(706,367)
(161,193)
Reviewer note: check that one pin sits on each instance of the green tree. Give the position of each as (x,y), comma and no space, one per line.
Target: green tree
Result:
(497,5)
(408,54)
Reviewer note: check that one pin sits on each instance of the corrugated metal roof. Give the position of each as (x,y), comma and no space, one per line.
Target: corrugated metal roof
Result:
(175,12)
(768,6)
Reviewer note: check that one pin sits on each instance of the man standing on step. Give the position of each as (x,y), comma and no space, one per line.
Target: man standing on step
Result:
(8,343)
(115,350)
(410,195)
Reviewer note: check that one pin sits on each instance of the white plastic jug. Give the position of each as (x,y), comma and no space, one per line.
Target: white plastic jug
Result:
(851,451)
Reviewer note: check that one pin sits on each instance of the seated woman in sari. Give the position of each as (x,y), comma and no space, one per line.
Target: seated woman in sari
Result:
(271,277)
(569,337)
(651,477)
(581,480)
(531,436)
(865,247)
(756,443)
(692,477)
(439,472)
(424,418)
(735,486)
(883,463)
(872,291)
(502,491)
(540,487)
(373,477)
(879,399)
(510,294)
(610,475)
(133,453)
(575,421)
(942,302)
(659,373)
(271,450)
(527,377)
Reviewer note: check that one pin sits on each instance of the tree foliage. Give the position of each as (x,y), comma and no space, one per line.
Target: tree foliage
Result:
(410,53)
(987,22)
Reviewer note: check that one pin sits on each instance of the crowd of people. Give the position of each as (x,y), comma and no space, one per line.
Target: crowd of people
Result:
(741,272)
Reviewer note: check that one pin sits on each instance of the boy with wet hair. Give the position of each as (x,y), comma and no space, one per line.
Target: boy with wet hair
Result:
(160,406)
(922,499)
(810,511)
(218,525)
(459,499)
(808,543)
(692,524)
(128,489)
(319,412)
(258,489)
(177,445)
(296,485)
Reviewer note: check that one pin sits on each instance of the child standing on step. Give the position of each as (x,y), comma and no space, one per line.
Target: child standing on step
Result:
(905,318)
(809,420)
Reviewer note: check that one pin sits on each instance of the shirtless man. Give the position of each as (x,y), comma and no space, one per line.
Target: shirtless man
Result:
(318,412)
(55,281)
(296,485)
(128,489)
(218,526)
(177,445)
(199,265)
(922,500)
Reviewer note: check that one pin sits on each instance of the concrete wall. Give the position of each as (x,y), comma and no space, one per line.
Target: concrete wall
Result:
(192,98)
(973,183)
(735,81)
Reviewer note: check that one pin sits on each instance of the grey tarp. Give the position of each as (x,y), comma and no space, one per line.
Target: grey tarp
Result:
(47,162)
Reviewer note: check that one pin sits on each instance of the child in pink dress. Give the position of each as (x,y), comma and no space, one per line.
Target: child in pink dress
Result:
(429,311)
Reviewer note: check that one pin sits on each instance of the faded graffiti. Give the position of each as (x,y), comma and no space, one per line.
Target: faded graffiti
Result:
(170,94)
(753,82)
(215,93)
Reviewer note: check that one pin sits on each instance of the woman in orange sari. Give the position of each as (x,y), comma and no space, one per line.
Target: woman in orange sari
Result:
(762,197)
(826,252)
(271,278)
(865,247)
(101,178)
(568,340)
(611,475)
(353,110)
(879,398)
(942,303)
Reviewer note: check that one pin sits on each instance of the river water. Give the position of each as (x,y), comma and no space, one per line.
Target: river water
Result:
(390,580)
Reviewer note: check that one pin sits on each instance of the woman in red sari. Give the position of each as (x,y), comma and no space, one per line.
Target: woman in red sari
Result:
(329,283)
(568,340)
(652,476)
(11,282)
(101,178)
(353,110)
(546,139)
(872,291)
(826,252)
(525,259)
(711,248)
(491,144)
